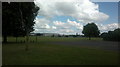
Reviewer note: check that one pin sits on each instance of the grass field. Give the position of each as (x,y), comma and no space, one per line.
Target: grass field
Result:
(45,53)
(49,39)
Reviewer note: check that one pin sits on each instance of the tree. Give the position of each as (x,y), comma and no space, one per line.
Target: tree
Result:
(28,16)
(117,34)
(111,35)
(6,19)
(103,35)
(91,30)
(10,20)
(18,18)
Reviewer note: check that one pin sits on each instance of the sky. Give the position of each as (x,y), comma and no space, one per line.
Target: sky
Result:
(64,17)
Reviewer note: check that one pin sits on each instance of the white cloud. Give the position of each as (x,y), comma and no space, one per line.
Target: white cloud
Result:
(82,10)
(54,27)
(69,27)
(58,23)
(105,0)
(61,25)
(41,23)
(107,27)
(66,31)
(75,24)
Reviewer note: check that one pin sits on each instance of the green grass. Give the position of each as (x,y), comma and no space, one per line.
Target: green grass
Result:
(49,39)
(45,53)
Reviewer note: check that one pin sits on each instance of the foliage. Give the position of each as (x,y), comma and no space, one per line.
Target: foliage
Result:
(29,12)
(91,30)
(18,18)
(112,35)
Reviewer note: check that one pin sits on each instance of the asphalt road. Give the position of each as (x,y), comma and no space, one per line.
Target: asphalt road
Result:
(106,45)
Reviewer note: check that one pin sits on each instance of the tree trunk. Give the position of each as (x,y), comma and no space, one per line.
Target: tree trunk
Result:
(27,40)
(26,47)
(16,39)
(27,37)
(89,38)
(36,38)
(4,39)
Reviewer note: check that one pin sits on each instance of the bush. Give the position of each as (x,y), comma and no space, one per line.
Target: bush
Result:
(112,35)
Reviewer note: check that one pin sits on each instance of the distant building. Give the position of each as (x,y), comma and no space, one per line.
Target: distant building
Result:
(55,35)
(44,34)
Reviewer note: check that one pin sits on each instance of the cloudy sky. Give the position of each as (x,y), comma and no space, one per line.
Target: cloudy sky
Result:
(69,16)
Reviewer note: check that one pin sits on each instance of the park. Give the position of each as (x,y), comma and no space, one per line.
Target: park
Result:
(60,51)
(21,45)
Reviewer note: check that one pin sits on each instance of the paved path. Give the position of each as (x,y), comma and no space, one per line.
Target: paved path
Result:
(107,45)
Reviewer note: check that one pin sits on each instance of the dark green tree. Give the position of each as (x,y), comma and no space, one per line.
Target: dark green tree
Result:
(6,18)
(111,35)
(18,18)
(28,13)
(117,34)
(103,35)
(91,30)
(10,17)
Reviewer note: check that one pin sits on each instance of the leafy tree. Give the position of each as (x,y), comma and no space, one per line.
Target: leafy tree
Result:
(103,35)
(111,35)
(28,14)
(91,30)
(117,34)
(18,18)
(6,19)
(10,20)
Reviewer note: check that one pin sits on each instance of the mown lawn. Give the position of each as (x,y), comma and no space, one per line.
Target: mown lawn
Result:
(45,53)
(49,39)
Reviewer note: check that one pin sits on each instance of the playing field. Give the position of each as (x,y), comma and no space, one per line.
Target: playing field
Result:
(60,51)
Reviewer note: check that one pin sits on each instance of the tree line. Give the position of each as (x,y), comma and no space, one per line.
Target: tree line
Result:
(91,30)
(18,20)
(111,35)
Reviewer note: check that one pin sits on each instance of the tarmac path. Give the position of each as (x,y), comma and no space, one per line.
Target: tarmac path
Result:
(106,45)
